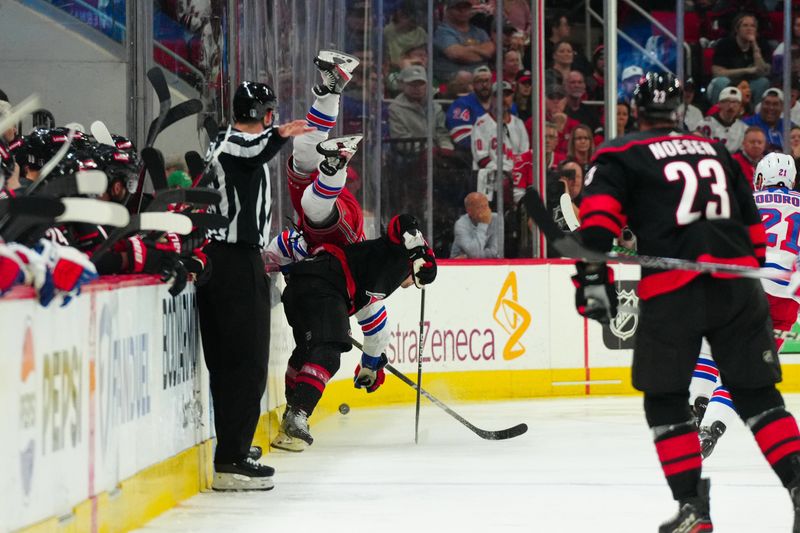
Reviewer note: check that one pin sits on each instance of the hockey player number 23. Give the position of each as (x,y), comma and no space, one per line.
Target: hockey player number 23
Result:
(706,169)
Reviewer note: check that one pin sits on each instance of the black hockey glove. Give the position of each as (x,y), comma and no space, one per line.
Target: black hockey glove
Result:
(423,263)
(404,229)
(595,295)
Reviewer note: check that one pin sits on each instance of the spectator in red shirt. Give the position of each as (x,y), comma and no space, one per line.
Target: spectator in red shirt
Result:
(753,148)
(596,83)
(554,104)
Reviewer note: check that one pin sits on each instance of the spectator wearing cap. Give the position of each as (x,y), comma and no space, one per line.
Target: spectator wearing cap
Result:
(754,146)
(402,34)
(630,78)
(575,86)
(484,134)
(769,118)
(596,83)
(725,125)
(522,94)
(692,116)
(414,55)
(464,111)
(458,44)
(408,112)
(742,55)
(555,102)
(512,65)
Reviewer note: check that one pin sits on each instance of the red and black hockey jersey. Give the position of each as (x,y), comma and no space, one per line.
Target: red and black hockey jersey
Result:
(682,195)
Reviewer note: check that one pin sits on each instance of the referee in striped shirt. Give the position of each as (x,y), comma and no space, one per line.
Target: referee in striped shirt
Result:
(234,304)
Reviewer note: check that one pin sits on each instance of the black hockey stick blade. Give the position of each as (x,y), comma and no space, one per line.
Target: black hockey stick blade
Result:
(27,212)
(195,164)
(208,220)
(176,113)
(197,197)
(211,127)
(154,163)
(486,434)
(159,83)
(83,182)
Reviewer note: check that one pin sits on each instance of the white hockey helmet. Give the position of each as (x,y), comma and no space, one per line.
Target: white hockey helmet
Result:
(775,170)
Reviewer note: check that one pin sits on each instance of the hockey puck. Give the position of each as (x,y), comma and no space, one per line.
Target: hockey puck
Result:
(344,408)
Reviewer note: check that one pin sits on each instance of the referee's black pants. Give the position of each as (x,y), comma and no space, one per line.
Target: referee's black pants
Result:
(234,311)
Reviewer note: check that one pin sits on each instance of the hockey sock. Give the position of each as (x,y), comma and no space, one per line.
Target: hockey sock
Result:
(720,408)
(777,436)
(676,440)
(319,199)
(322,117)
(704,377)
(314,376)
(290,380)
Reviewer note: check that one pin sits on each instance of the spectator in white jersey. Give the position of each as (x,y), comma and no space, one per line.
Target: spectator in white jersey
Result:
(484,134)
(234,303)
(724,125)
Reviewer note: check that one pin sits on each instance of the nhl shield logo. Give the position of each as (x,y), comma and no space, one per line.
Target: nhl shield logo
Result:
(618,335)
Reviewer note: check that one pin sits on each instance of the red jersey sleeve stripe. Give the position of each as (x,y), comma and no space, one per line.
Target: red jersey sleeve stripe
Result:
(601,220)
(603,203)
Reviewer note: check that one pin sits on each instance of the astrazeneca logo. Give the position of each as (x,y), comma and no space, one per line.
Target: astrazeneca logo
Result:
(512,317)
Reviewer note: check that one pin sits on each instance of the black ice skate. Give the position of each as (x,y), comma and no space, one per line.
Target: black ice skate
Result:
(243,475)
(709,435)
(337,152)
(336,69)
(295,424)
(255,453)
(794,492)
(693,513)
(699,409)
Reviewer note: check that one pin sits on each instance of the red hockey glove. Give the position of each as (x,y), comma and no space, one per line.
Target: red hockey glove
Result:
(369,374)
(595,295)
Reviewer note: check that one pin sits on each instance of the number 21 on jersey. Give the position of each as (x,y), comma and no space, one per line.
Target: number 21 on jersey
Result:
(706,169)
(787,234)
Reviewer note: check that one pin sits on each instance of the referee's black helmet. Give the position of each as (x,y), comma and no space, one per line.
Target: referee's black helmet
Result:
(252,100)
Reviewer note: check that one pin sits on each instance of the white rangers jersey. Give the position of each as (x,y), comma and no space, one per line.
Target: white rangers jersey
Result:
(484,142)
(780,214)
(731,136)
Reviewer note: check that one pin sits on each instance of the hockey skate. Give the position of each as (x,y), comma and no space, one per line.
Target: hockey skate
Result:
(699,409)
(336,69)
(709,435)
(337,152)
(286,443)
(295,424)
(693,513)
(243,475)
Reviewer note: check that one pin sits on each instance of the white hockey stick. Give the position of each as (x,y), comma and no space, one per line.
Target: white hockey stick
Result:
(101,133)
(92,211)
(25,107)
(568,211)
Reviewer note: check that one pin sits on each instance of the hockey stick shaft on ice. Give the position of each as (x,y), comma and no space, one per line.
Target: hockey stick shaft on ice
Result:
(501,434)
(419,361)
(569,246)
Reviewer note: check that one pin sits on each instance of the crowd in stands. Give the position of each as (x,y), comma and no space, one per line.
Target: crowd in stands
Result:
(732,93)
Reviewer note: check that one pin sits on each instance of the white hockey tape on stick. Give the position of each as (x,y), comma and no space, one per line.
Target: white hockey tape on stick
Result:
(92,211)
(27,106)
(166,222)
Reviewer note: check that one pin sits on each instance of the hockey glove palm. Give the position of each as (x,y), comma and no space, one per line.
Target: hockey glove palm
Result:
(369,374)
(595,295)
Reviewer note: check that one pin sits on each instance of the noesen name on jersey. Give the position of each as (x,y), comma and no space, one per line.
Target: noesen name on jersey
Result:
(676,147)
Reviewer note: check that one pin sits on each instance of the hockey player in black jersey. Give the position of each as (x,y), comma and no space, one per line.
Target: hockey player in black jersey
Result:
(325,289)
(683,196)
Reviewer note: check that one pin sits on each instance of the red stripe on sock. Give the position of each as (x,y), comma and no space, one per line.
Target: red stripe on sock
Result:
(793,446)
(309,380)
(782,429)
(679,446)
(691,463)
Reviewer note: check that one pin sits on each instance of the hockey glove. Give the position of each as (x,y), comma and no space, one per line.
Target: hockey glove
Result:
(369,374)
(69,270)
(595,295)
(423,263)
(11,269)
(404,229)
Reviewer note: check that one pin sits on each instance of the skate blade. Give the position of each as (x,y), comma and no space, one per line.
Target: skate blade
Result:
(291,447)
(239,482)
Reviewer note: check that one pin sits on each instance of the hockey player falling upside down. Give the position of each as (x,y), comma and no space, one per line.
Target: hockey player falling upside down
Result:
(779,207)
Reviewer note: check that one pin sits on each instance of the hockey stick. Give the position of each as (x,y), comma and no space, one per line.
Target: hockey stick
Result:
(179,112)
(101,134)
(27,106)
(421,344)
(83,182)
(161,222)
(208,220)
(211,128)
(91,211)
(196,166)
(154,163)
(569,246)
(159,83)
(26,213)
(501,434)
(166,197)
(569,212)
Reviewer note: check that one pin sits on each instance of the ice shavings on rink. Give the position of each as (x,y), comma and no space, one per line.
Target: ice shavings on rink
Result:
(585,465)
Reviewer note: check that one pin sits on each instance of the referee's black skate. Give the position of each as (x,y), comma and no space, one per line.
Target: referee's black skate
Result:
(709,435)
(337,152)
(246,474)
(295,424)
(693,513)
(336,69)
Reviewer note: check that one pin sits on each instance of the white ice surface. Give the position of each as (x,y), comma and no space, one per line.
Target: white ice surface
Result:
(585,465)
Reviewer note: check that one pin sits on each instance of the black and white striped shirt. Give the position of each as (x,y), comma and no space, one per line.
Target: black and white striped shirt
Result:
(240,173)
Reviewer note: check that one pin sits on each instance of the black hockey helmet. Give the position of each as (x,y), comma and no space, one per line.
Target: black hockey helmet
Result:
(117,164)
(658,96)
(252,100)
(123,144)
